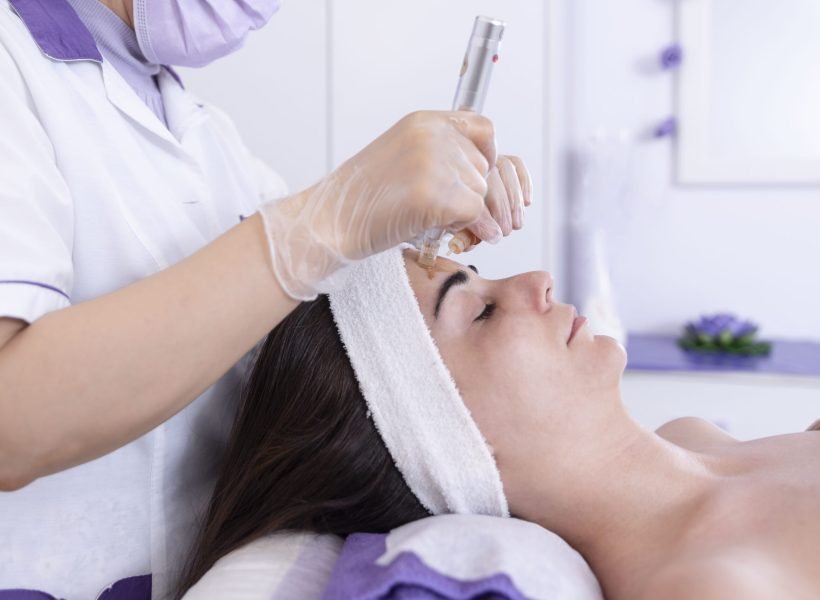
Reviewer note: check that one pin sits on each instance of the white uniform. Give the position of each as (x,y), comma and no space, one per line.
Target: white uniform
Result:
(96,193)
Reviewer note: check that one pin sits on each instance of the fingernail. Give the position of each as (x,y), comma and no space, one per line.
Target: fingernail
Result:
(494,234)
(507,225)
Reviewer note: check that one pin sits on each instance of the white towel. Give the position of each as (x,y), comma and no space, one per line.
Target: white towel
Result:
(410,393)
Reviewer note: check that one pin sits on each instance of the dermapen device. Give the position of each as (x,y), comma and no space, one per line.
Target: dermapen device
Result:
(473,81)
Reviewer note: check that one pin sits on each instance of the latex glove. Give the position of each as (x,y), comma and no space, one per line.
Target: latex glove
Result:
(509,190)
(428,170)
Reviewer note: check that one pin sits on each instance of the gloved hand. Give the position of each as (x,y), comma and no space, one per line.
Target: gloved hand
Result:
(509,190)
(429,170)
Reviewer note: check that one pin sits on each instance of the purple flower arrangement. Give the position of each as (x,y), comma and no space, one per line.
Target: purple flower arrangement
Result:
(723,333)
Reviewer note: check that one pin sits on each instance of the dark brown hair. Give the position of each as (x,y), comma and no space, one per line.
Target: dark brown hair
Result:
(303,453)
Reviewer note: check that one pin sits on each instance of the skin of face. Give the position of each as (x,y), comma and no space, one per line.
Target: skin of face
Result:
(507,344)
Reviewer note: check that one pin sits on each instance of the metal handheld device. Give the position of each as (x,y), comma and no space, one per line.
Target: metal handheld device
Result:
(474,79)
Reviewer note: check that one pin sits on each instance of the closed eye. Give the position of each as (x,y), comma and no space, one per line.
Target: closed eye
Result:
(488,311)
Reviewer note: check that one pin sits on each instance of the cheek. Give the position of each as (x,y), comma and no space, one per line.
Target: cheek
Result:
(511,382)
(481,380)
(528,355)
(512,359)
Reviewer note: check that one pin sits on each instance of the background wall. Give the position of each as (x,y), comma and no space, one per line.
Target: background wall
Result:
(678,251)
(576,94)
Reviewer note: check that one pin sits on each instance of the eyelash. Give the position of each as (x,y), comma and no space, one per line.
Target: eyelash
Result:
(488,311)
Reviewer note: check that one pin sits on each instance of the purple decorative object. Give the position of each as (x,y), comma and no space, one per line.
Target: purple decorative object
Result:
(132,588)
(407,578)
(666,128)
(671,57)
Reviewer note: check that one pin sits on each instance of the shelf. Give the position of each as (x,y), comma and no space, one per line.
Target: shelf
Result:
(661,353)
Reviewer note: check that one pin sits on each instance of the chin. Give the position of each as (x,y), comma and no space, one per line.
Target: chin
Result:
(613,353)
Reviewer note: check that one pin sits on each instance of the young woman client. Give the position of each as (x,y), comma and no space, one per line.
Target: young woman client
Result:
(404,396)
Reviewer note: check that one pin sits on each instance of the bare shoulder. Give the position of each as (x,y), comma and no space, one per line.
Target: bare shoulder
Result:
(718,577)
(694,433)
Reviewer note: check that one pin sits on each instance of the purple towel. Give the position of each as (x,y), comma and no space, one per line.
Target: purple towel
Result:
(358,577)
(132,588)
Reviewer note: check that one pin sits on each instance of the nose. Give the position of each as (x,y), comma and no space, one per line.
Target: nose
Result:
(532,290)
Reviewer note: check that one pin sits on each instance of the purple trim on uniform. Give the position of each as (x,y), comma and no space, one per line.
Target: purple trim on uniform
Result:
(175,75)
(60,33)
(132,588)
(38,284)
(57,29)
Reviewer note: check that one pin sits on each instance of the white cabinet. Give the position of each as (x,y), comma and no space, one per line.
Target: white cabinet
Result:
(747,406)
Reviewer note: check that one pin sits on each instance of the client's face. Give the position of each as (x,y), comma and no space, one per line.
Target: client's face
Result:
(522,361)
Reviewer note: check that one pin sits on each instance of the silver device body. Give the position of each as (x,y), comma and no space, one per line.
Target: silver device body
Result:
(481,56)
(473,83)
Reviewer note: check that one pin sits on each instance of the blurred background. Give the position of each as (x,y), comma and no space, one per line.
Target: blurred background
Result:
(674,148)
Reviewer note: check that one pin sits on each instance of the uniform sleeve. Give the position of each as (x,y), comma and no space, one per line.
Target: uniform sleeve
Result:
(36,211)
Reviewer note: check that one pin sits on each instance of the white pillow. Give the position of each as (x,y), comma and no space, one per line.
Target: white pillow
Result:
(284,566)
(291,566)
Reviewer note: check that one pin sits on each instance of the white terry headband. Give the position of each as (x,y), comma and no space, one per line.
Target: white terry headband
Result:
(410,393)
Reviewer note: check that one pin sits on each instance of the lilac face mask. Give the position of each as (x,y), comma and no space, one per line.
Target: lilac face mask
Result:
(193,33)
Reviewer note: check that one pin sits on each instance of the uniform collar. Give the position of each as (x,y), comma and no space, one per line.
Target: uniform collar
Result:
(59,32)
(57,29)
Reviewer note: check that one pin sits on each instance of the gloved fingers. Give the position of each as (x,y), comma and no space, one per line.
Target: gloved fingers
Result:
(428,170)
(486,227)
(479,130)
(523,177)
(498,202)
(472,158)
(465,207)
(512,187)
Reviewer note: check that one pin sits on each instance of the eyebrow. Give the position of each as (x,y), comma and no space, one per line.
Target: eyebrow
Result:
(457,278)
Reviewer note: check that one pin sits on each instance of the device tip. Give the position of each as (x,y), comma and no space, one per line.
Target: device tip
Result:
(456,245)
(463,241)
(427,256)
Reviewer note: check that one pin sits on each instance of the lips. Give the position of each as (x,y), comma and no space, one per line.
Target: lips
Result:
(577,323)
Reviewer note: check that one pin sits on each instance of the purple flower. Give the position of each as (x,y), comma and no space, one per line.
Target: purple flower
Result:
(716,325)
(739,329)
(666,128)
(724,334)
(671,57)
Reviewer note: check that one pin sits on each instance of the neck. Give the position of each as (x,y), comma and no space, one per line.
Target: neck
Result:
(621,496)
(124,9)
